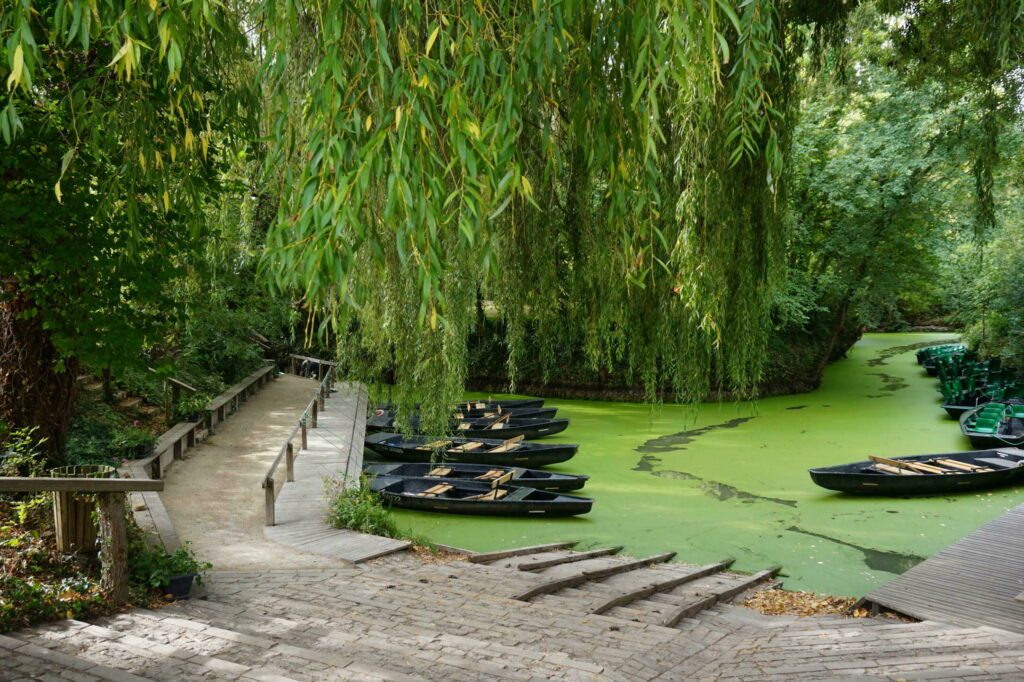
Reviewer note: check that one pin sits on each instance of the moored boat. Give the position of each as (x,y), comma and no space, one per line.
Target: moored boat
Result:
(924,474)
(488,473)
(461,412)
(994,424)
(503,426)
(463,450)
(473,497)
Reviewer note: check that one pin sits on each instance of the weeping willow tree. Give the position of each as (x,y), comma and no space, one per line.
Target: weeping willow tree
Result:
(609,174)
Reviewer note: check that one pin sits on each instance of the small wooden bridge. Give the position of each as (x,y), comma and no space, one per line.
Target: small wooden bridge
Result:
(976,581)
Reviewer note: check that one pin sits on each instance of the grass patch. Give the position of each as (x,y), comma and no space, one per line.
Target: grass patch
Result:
(360,509)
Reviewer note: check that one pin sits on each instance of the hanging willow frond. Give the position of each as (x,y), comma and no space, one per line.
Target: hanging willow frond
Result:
(607,173)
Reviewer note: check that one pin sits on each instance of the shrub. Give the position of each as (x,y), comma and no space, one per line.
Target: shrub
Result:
(132,441)
(360,509)
(24,602)
(153,567)
(190,407)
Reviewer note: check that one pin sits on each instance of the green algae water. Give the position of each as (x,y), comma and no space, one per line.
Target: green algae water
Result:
(730,479)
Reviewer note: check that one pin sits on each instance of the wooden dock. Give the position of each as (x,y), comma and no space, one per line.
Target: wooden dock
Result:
(975,581)
(334,453)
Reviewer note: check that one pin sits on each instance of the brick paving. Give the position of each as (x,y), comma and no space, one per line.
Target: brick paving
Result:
(401,618)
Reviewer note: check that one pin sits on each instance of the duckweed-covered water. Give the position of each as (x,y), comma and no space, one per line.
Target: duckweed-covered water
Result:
(730,480)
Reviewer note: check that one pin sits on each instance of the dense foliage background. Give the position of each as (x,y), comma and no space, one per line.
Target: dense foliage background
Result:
(667,198)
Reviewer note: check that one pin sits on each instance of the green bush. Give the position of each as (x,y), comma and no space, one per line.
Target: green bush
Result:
(20,454)
(153,567)
(190,407)
(93,429)
(360,509)
(132,441)
(24,602)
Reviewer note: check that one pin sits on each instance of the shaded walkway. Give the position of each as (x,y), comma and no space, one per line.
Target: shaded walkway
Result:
(214,498)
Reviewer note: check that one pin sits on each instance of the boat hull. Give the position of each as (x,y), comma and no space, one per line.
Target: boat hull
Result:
(529,428)
(403,448)
(530,478)
(982,440)
(855,478)
(402,493)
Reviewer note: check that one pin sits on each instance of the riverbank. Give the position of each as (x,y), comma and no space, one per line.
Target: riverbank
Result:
(730,479)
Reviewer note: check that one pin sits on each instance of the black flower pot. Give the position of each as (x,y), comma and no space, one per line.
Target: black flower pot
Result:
(180,585)
(142,450)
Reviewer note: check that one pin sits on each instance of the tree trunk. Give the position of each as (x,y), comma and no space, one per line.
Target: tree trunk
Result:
(37,385)
(113,547)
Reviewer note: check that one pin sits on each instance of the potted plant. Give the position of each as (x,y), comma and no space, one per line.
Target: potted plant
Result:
(133,443)
(173,573)
(190,408)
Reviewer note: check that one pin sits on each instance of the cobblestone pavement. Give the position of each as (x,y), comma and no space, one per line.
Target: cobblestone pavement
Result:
(402,618)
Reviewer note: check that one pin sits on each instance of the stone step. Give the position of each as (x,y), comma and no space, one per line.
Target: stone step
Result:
(194,625)
(25,659)
(134,654)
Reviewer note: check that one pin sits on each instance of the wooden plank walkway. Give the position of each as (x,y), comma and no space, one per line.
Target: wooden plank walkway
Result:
(972,582)
(335,453)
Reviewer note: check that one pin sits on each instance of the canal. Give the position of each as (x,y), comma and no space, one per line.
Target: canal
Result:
(730,479)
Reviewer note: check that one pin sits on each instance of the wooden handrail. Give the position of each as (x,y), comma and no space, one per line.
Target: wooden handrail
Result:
(287,453)
(41,484)
(110,506)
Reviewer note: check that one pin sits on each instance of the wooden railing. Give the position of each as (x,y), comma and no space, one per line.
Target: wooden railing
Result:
(110,496)
(308,420)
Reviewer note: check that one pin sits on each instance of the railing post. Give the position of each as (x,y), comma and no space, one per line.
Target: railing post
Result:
(289,460)
(305,444)
(323,396)
(312,417)
(292,358)
(268,500)
(113,547)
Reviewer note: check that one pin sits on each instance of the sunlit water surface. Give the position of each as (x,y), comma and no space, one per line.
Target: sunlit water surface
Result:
(730,479)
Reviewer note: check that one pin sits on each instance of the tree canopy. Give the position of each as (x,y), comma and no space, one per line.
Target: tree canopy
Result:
(662,189)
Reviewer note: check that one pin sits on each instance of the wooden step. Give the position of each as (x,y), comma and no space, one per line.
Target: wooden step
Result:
(586,576)
(485,557)
(662,586)
(568,559)
(690,610)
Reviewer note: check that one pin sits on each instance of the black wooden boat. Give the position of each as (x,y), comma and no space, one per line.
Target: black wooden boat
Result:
(994,424)
(954,410)
(504,403)
(488,473)
(460,413)
(925,474)
(501,426)
(513,452)
(473,497)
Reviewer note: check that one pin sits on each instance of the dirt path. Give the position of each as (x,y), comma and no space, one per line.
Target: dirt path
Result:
(214,497)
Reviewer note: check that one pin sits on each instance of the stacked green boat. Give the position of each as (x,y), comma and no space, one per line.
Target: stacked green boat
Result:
(995,424)
(966,382)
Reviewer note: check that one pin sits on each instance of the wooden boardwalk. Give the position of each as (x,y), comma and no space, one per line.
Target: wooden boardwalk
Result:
(334,457)
(975,581)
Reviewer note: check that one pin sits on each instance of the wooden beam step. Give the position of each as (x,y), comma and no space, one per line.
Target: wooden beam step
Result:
(690,610)
(485,557)
(662,586)
(590,576)
(571,558)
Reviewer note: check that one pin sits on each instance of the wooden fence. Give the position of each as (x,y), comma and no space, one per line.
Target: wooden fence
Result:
(302,366)
(110,497)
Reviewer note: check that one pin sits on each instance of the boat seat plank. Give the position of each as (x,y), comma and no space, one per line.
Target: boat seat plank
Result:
(519,494)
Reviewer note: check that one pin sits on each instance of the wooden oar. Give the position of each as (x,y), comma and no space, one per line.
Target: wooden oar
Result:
(963,466)
(919,467)
(510,444)
(497,423)
(502,479)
